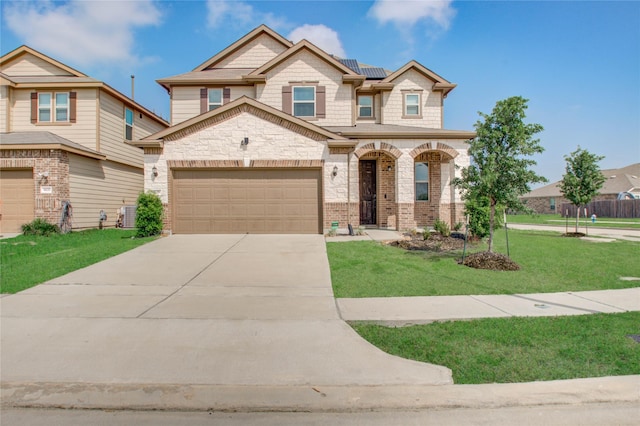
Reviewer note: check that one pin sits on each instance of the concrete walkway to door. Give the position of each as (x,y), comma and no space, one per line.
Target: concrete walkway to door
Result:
(220,321)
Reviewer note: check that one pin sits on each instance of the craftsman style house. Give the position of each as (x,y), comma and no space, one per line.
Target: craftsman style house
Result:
(62,138)
(268,136)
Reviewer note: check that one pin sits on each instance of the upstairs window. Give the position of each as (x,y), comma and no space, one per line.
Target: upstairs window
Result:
(365,106)
(53,107)
(128,124)
(422,181)
(215,99)
(304,101)
(412,104)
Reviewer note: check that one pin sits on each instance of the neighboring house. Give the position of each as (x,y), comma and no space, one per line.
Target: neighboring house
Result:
(548,199)
(62,138)
(268,136)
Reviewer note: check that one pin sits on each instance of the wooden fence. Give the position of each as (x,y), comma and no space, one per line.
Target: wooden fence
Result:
(607,208)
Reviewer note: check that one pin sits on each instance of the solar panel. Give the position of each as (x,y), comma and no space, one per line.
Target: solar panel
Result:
(374,72)
(351,63)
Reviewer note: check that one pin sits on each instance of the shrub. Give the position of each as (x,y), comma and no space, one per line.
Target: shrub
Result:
(148,215)
(426,234)
(40,226)
(458,226)
(478,212)
(442,227)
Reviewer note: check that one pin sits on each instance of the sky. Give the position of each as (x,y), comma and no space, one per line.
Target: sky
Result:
(577,62)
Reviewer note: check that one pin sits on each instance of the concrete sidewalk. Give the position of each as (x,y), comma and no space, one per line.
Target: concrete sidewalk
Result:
(398,311)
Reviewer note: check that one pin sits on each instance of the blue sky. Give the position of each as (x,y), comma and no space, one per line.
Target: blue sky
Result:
(578,62)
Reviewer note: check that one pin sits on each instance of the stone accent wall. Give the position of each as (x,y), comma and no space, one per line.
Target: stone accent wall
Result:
(55,162)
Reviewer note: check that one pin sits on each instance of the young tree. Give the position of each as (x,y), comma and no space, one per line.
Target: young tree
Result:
(582,179)
(500,171)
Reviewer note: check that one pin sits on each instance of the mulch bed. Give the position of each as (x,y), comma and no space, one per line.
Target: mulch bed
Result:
(438,243)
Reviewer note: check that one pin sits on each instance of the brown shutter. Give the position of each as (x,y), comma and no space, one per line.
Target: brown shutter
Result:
(204,100)
(73,98)
(34,107)
(321,102)
(226,95)
(286,99)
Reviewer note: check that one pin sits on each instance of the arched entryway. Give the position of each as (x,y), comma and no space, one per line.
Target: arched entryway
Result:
(377,186)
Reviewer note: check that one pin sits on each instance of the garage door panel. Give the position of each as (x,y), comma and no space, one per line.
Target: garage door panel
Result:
(241,201)
(17,204)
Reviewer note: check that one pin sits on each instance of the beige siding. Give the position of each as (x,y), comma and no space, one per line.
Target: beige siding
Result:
(306,66)
(253,54)
(100,185)
(240,91)
(431,106)
(112,128)
(83,131)
(4,108)
(185,103)
(29,65)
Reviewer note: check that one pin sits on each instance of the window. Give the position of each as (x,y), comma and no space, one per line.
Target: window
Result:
(552,203)
(422,181)
(215,99)
(412,104)
(53,107)
(128,127)
(304,101)
(365,106)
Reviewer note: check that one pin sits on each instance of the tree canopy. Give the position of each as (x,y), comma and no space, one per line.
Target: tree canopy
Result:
(500,170)
(582,179)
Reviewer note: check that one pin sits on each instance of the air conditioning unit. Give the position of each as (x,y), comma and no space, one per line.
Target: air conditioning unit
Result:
(129,220)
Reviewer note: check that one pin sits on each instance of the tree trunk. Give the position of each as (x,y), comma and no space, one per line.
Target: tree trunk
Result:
(492,215)
(577,218)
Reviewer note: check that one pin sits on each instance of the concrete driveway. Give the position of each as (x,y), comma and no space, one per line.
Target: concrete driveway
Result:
(240,316)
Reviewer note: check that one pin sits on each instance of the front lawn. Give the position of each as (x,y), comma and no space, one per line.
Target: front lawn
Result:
(556,219)
(548,261)
(26,261)
(508,350)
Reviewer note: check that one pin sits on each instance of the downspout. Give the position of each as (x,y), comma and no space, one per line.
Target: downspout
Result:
(348,188)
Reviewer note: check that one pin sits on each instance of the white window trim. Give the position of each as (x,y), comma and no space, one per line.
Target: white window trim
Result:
(53,107)
(416,182)
(405,104)
(294,102)
(359,106)
(126,124)
(215,104)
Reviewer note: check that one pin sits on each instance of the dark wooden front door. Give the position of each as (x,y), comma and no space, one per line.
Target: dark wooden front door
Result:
(368,192)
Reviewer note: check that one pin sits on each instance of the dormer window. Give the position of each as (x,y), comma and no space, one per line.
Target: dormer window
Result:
(365,106)
(412,105)
(53,107)
(304,101)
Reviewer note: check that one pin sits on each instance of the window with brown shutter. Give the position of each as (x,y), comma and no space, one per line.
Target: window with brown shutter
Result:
(53,107)
(34,107)
(204,100)
(321,102)
(73,100)
(226,95)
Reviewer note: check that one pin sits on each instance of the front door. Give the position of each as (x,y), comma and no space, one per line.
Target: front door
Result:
(368,192)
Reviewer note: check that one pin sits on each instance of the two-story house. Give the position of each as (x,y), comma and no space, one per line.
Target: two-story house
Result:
(62,138)
(268,136)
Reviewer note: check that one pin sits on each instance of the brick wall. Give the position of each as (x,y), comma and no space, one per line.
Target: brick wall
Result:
(53,162)
(340,212)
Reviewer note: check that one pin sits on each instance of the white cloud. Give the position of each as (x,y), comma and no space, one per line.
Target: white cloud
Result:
(320,35)
(239,14)
(84,32)
(407,13)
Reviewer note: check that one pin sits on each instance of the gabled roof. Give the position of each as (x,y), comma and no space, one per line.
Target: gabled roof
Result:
(625,179)
(76,80)
(349,75)
(22,50)
(262,29)
(45,140)
(440,83)
(243,104)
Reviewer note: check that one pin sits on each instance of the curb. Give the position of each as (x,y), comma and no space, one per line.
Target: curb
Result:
(309,398)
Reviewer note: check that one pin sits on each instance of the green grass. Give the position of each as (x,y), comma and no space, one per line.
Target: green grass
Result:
(519,349)
(30,260)
(556,219)
(549,262)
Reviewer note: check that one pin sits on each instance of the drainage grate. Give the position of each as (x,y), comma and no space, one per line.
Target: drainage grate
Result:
(541,306)
(635,337)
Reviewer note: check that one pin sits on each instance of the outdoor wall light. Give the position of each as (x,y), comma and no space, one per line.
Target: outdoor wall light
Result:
(154,171)
(388,168)
(244,141)
(335,171)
